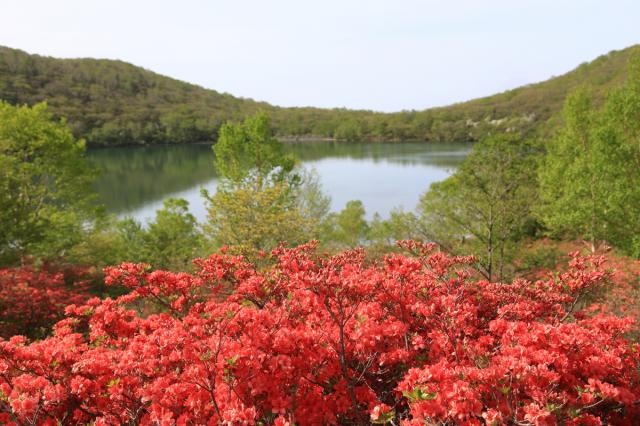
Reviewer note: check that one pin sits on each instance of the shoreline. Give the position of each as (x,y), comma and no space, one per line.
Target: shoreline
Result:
(284,139)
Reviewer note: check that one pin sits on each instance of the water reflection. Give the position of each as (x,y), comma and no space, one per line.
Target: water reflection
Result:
(135,181)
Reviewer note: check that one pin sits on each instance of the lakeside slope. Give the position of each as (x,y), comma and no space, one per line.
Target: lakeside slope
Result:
(111,102)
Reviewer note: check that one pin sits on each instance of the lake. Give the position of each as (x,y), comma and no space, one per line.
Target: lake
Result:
(383,175)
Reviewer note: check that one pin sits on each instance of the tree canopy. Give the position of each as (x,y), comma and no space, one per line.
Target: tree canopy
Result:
(46,197)
(114,103)
(251,151)
(485,206)
(261,200)
(589,180)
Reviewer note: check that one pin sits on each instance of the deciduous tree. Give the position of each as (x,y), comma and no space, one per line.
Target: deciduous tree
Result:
(589,180)
(485,206)
(46,198)
(261,199)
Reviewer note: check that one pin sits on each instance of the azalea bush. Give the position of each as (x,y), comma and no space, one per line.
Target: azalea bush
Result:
(31,301)
(413,339)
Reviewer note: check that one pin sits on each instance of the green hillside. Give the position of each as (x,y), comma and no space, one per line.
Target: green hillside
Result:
(540,101)
(112,102)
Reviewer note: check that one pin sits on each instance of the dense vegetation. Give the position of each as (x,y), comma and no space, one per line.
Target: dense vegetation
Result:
(31,300)
(45,185)
(589,180)
(311,340)
(432,323)
(585,175)
(111,102)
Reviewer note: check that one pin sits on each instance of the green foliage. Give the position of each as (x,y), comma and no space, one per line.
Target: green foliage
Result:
(400,225)
(173,239)
(113,103)
(251,219)
(46,199)
(261,201)
(538,257)
(109,242)
(589,181)
(348,228)
(250,151)
(312,202)
(622,135)
(418,394)
(348,130)
(484,207)
(571,181)
(131,241)
(169,242)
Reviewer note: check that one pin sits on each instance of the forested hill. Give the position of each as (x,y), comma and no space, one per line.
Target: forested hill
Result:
(112,102)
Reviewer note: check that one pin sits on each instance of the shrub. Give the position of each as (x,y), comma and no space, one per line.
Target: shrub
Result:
(32,301)
(330,340)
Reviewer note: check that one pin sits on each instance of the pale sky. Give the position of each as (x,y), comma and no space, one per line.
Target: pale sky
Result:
(383,55)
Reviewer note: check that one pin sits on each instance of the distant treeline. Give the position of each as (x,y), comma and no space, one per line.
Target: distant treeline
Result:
(110,102)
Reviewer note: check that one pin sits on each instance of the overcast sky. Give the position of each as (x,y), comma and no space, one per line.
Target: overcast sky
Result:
(383,55)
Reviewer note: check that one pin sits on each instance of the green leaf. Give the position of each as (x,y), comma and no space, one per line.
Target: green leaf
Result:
(418,394)
(385,418)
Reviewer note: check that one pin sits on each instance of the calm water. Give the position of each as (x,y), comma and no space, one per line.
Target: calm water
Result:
(135,181)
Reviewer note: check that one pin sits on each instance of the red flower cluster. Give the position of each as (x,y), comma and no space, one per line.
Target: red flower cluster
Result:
(314,340)
(31,302)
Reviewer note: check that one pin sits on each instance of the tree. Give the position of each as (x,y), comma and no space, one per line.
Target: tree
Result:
(312,202)
(571,177)
(251,219)
(173,239)
(169,242)
(46,198)
(250,152)
(261,200)
(589,180)
(349,130)
(384,233)
(621,134)
(110,241)
(348,228)
(115,103)
(485,206)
